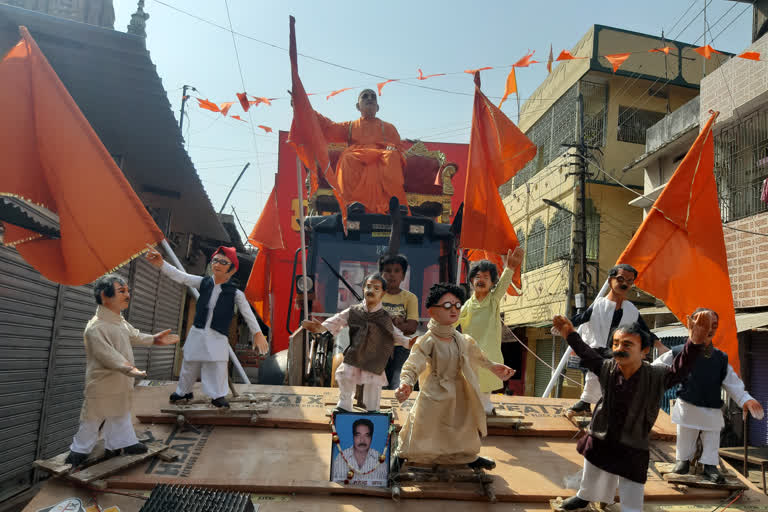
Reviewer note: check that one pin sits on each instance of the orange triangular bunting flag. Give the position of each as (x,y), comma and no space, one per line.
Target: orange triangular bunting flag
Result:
(664,50)
(473,71)
(51,156)
(706,51)
(497,151)
(381,85)
(510,87)
(525,61)
(334,93)
(565,55)
(550,59)
(617,59)
(679,250)
(243,99)
(224,107)
(265,128)
(750,55)
(208,105)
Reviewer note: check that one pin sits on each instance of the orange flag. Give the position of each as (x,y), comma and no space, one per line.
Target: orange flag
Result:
(550,59)
(477,255)
(679,251)
(497,150)
(243,99)
(208,105)
(380,85)
(526,61)
(422,77)
(265,128)
(510,87)
(750,55)
(566,55)
(266,235)
(706,51)
(306,136)
(258,100)
(617,59)
(664,50)
(238,118)
(52,157)
(224,107)
(473,71)
(334,93)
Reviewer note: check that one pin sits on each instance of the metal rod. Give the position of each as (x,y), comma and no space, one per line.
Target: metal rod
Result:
(233,187)
(459,261)
(196,294)
(568,351)
(303,240)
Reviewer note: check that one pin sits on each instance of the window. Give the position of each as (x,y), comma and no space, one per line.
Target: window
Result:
(634,122)
(595,98)
(559,240)
(741,165)
(593,230)
(534,256)
(521,239)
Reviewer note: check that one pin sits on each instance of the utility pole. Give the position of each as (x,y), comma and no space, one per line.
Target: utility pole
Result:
(184,99)
(704,61)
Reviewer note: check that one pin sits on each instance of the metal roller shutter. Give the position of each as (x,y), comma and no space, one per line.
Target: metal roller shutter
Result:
(167,316)
(758,362)
(543,372)
(141,315)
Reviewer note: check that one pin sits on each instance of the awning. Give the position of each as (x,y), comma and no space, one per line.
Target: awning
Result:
(744,322)
(29,216)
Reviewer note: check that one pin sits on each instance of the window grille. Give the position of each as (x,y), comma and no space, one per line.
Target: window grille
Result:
(559,237)
(633,123)
(595,98)
(521,239)
(593,230)
(534,256)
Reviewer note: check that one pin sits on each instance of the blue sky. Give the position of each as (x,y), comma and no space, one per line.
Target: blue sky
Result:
(390,39)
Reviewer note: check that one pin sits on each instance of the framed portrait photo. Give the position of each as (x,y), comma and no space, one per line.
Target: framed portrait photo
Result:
(360,448)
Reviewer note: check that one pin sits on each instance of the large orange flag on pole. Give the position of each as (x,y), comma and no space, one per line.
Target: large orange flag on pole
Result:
(266,235)
(52,157)
(306,136)
(679,250)
(497,151)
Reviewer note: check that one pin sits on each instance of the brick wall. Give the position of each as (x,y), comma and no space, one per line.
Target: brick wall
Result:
(748,261)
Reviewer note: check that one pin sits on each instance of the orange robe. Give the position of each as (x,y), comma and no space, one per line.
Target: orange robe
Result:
(367,172)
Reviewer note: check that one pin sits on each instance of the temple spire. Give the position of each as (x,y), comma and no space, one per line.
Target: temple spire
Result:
(138,23)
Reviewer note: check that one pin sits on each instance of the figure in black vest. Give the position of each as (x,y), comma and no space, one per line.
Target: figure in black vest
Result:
(206,350)
(697,409)
(372,338)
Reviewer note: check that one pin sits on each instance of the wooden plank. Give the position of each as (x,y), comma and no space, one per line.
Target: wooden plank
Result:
(57,466)
(697,480)
(214,411)
(115,464)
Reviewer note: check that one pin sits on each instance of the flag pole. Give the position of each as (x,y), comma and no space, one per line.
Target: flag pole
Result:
(196,294)
(568,351)
(303,240)
(458,266)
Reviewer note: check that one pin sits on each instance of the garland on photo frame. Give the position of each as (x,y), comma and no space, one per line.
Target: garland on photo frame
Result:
(382,457)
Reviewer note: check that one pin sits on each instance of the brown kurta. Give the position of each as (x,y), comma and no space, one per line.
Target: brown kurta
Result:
(371,339)
(446,422)
(108,387)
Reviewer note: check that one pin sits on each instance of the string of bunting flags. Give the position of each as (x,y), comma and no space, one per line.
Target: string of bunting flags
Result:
(616,60)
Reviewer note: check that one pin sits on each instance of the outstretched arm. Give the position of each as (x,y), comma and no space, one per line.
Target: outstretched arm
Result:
(590,358)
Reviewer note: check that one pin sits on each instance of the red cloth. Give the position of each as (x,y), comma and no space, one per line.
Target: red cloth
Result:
(679,250)
(497,151)
(52,157)
(229,252)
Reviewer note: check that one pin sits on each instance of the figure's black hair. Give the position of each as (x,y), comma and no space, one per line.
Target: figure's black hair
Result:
(622,266)
(362,421)
(398,259)
(636,329)
(440,289)
(377,277)
(484,266)
(106,284)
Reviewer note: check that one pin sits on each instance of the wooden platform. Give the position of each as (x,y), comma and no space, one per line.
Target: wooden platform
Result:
(732,482)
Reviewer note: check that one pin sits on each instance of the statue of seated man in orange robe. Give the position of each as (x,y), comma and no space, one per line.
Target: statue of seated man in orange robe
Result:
(370,169)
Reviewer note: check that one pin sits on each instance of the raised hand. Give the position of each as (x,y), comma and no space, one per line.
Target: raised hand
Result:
(166,338)
(701,325)
(562,325)
(154,257)
(403,392)
(515,258)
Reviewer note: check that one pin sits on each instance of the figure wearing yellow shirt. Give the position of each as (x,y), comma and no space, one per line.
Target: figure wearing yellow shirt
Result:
(480,315)
(402,306)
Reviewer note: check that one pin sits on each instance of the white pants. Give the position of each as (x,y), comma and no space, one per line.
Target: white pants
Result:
(592,392)
(213,375)
(600,486)
(118,433)
(686,445)
(485,399)
(347,387)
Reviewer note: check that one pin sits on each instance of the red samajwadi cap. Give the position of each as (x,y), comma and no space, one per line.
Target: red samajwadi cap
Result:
(230,253)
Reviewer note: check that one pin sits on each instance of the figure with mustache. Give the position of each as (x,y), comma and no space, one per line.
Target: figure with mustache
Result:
(370,170)
(480,316)
(372,339)
(110,373)
(604,315)
(206,350)
(361,458)
(446,423)
(615,448)
(697,410)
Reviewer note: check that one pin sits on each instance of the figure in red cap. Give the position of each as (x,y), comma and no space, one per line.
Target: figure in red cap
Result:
(206,351)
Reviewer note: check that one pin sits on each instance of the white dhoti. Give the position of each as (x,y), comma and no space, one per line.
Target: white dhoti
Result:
(600,486)
(118,433)
(686,445)
(212,374)
(592,392)
(348,377)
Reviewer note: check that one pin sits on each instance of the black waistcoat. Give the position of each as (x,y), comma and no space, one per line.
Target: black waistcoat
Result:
(222,311)
(702,387)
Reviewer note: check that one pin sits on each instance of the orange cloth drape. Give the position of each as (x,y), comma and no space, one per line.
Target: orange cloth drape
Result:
(497,151)
(679,251)
(51,156)
(305,136)
(266,235)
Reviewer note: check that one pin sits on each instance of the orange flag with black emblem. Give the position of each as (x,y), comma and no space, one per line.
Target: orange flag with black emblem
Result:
(52,157)
(497,151)
(679,250)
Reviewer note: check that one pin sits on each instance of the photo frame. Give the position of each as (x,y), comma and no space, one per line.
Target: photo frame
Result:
(360,456)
